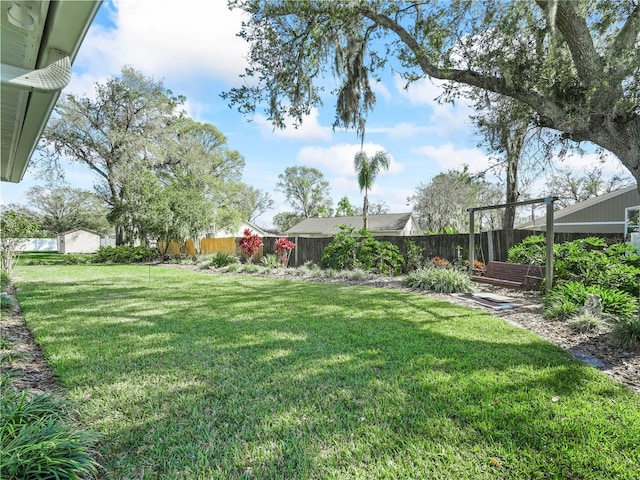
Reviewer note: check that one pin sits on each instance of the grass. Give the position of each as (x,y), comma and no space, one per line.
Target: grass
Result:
(41,258)
(186,375)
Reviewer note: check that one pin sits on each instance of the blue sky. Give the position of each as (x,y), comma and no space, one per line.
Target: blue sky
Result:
(193,46)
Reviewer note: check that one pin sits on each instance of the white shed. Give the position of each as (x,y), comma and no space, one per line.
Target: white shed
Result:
(78,240)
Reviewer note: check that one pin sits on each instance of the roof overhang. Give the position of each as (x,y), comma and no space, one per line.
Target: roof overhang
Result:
(40,40)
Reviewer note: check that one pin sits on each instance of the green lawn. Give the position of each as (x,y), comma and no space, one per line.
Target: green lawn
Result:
(41,258)
(191,376)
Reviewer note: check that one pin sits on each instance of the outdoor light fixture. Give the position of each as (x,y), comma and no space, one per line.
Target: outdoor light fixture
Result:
(22,15)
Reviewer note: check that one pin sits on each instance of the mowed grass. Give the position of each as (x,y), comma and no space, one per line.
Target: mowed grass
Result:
(186,375)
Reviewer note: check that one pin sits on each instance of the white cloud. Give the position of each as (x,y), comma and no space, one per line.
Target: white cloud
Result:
(338,159)
(401,130)
(448,157)
(380,90)
(579,163)
(446,118)
(310,129)
(169,40)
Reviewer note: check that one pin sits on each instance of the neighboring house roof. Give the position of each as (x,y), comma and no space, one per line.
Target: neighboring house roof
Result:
(590,203)
(39,41)
(239,232)
(73,230)
(386,222)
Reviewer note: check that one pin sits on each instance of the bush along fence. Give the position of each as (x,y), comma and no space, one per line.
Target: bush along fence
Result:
(492,245)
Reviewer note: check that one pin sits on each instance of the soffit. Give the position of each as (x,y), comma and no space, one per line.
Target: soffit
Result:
(60,25)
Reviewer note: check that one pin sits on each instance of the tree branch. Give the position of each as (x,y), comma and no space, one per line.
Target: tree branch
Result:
(627,38)
(576,33)
(538,102)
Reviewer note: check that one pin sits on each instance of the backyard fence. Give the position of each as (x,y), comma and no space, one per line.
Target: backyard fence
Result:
(492,245)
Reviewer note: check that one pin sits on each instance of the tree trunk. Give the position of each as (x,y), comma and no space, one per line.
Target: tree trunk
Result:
(119,235)
(365,211)
(513,143)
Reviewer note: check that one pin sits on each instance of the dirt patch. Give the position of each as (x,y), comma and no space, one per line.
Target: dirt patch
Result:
(22,359)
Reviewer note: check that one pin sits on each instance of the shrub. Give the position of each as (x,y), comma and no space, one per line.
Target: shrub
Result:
(249,244)
(77,259)
(346,252)
(620,276)
(125,254)
(5,280)
(531,251)
(221,259)
(624,253)
(626,332)
(414,257)
(445,280)
(232,267)
(341,252)
(6,302)
(283,250)
(567,298)
(250,268)
(440,262)
(37,442)
(270,261)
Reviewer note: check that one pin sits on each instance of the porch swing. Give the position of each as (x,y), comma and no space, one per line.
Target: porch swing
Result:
(513,275)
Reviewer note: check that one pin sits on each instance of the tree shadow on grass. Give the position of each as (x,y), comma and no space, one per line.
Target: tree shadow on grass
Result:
(225,379)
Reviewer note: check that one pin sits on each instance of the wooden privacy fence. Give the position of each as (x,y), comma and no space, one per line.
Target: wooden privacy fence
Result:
(492,245)
(207,245)
(489,246)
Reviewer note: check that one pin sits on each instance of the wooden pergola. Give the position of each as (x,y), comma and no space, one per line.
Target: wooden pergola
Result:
(549,232)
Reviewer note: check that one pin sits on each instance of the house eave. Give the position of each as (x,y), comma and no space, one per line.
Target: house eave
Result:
(26,107)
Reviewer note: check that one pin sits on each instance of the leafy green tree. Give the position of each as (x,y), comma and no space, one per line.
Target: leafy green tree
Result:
(116,131)
(507,126)
(344,208)
(253,202)
(441,205)
(306,190)
(574,63)
(379,207)
(283,221)
(132,129)
(368,169)
(59,209)
(571,188)
(15,230)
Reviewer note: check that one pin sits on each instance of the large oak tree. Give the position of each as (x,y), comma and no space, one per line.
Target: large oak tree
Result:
(575,63)
(131,131)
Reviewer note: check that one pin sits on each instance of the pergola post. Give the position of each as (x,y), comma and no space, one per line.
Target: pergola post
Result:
(472,236)
(549,240)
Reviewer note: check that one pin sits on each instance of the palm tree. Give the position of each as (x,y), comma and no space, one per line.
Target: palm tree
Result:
(368,169)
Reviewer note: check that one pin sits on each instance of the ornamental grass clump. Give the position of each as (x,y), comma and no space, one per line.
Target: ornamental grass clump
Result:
(626,333)
(37,442)
(587,323)
(444,280)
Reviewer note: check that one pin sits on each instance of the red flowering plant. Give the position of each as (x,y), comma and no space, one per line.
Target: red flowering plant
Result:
(440,262)
(249,244)
(283,250)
